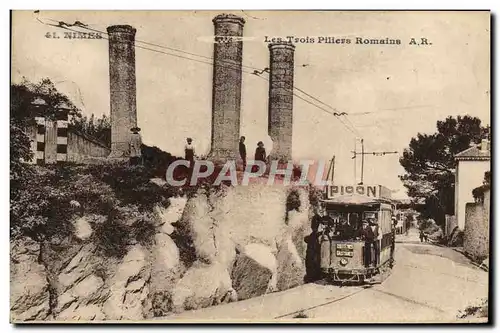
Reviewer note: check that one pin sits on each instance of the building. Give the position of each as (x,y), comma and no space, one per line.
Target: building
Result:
(472,164)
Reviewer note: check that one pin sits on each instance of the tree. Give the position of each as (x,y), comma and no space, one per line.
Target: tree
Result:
(99,128)
(429,164)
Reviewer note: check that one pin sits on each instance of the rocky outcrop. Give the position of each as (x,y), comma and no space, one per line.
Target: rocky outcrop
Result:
(166,270)
(244,244)
(203,285)
(29,285)
(79,290)
(291,268)
(129,287)
(254,272)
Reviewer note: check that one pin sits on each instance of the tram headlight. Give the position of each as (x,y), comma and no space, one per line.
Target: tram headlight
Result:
(343,261)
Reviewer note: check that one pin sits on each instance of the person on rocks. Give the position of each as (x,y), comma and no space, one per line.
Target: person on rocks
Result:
(189,151)
(243,152)
(135,146)
(260,152)
(260,155)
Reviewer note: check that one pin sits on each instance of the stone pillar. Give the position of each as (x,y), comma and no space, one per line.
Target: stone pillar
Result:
(280,119)
(226,89)
(122,87)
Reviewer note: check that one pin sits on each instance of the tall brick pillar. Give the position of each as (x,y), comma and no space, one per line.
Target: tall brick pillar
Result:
(280,117)
(122,87)
(226,89)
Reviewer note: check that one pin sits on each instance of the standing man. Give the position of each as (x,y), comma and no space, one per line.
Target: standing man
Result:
(368,236)
(243,152)
(135,146)
(376,243)
(189,156)
(393,234)
(189,152)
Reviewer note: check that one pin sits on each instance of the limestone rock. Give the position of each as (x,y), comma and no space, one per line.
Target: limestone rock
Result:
(165,272)
(173,212)
(254,272)
(80,287)
(199,223)
(203,285)
(83,230)
(128,287)
(77,268)
(167,229)
(83,301)
(291,268)
(29,287)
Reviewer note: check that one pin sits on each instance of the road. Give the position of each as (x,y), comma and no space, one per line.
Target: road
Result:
(429,284)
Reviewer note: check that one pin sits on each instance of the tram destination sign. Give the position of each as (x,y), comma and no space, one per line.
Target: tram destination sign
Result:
(371,191)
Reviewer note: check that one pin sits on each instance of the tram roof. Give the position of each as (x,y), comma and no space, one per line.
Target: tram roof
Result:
(355,199)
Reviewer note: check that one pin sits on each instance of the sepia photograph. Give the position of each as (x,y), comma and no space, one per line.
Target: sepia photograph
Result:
(250,166)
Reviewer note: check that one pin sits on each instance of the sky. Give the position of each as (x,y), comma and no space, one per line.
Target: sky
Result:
(391,92)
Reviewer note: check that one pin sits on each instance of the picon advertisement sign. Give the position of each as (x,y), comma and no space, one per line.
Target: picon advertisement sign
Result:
(371,191)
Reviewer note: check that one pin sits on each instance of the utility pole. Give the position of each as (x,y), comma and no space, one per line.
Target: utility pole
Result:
(363,153)
(362,159)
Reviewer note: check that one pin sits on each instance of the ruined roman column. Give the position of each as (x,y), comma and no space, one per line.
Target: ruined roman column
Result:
(226,88)
(280,119)
(122,87)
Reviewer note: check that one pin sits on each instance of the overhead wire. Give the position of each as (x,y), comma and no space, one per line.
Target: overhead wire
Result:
(256,72)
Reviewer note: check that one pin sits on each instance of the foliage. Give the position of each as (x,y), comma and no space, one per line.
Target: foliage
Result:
(125,226)
(315,195)
(293,201)
(478,192)
(156,160)
(43,206)
(99,128)
(429,164)
(301,314)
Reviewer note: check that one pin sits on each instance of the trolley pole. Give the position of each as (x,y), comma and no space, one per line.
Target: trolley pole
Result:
(331,170)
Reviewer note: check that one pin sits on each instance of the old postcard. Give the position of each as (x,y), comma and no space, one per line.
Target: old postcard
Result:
(250,166)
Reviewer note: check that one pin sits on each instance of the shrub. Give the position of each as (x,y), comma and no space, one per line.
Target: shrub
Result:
(112,238)
(293,201)
(301,314)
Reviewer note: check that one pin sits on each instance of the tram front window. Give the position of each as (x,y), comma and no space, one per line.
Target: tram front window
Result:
(346,225)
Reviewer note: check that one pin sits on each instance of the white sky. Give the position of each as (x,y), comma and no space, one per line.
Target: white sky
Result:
(407,88)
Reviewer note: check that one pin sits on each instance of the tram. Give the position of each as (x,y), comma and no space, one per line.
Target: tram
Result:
(349,251)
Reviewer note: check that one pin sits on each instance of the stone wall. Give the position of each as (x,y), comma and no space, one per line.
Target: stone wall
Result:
(82,148)
(49,148)
(468,175)
(450,224)
(476,233)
